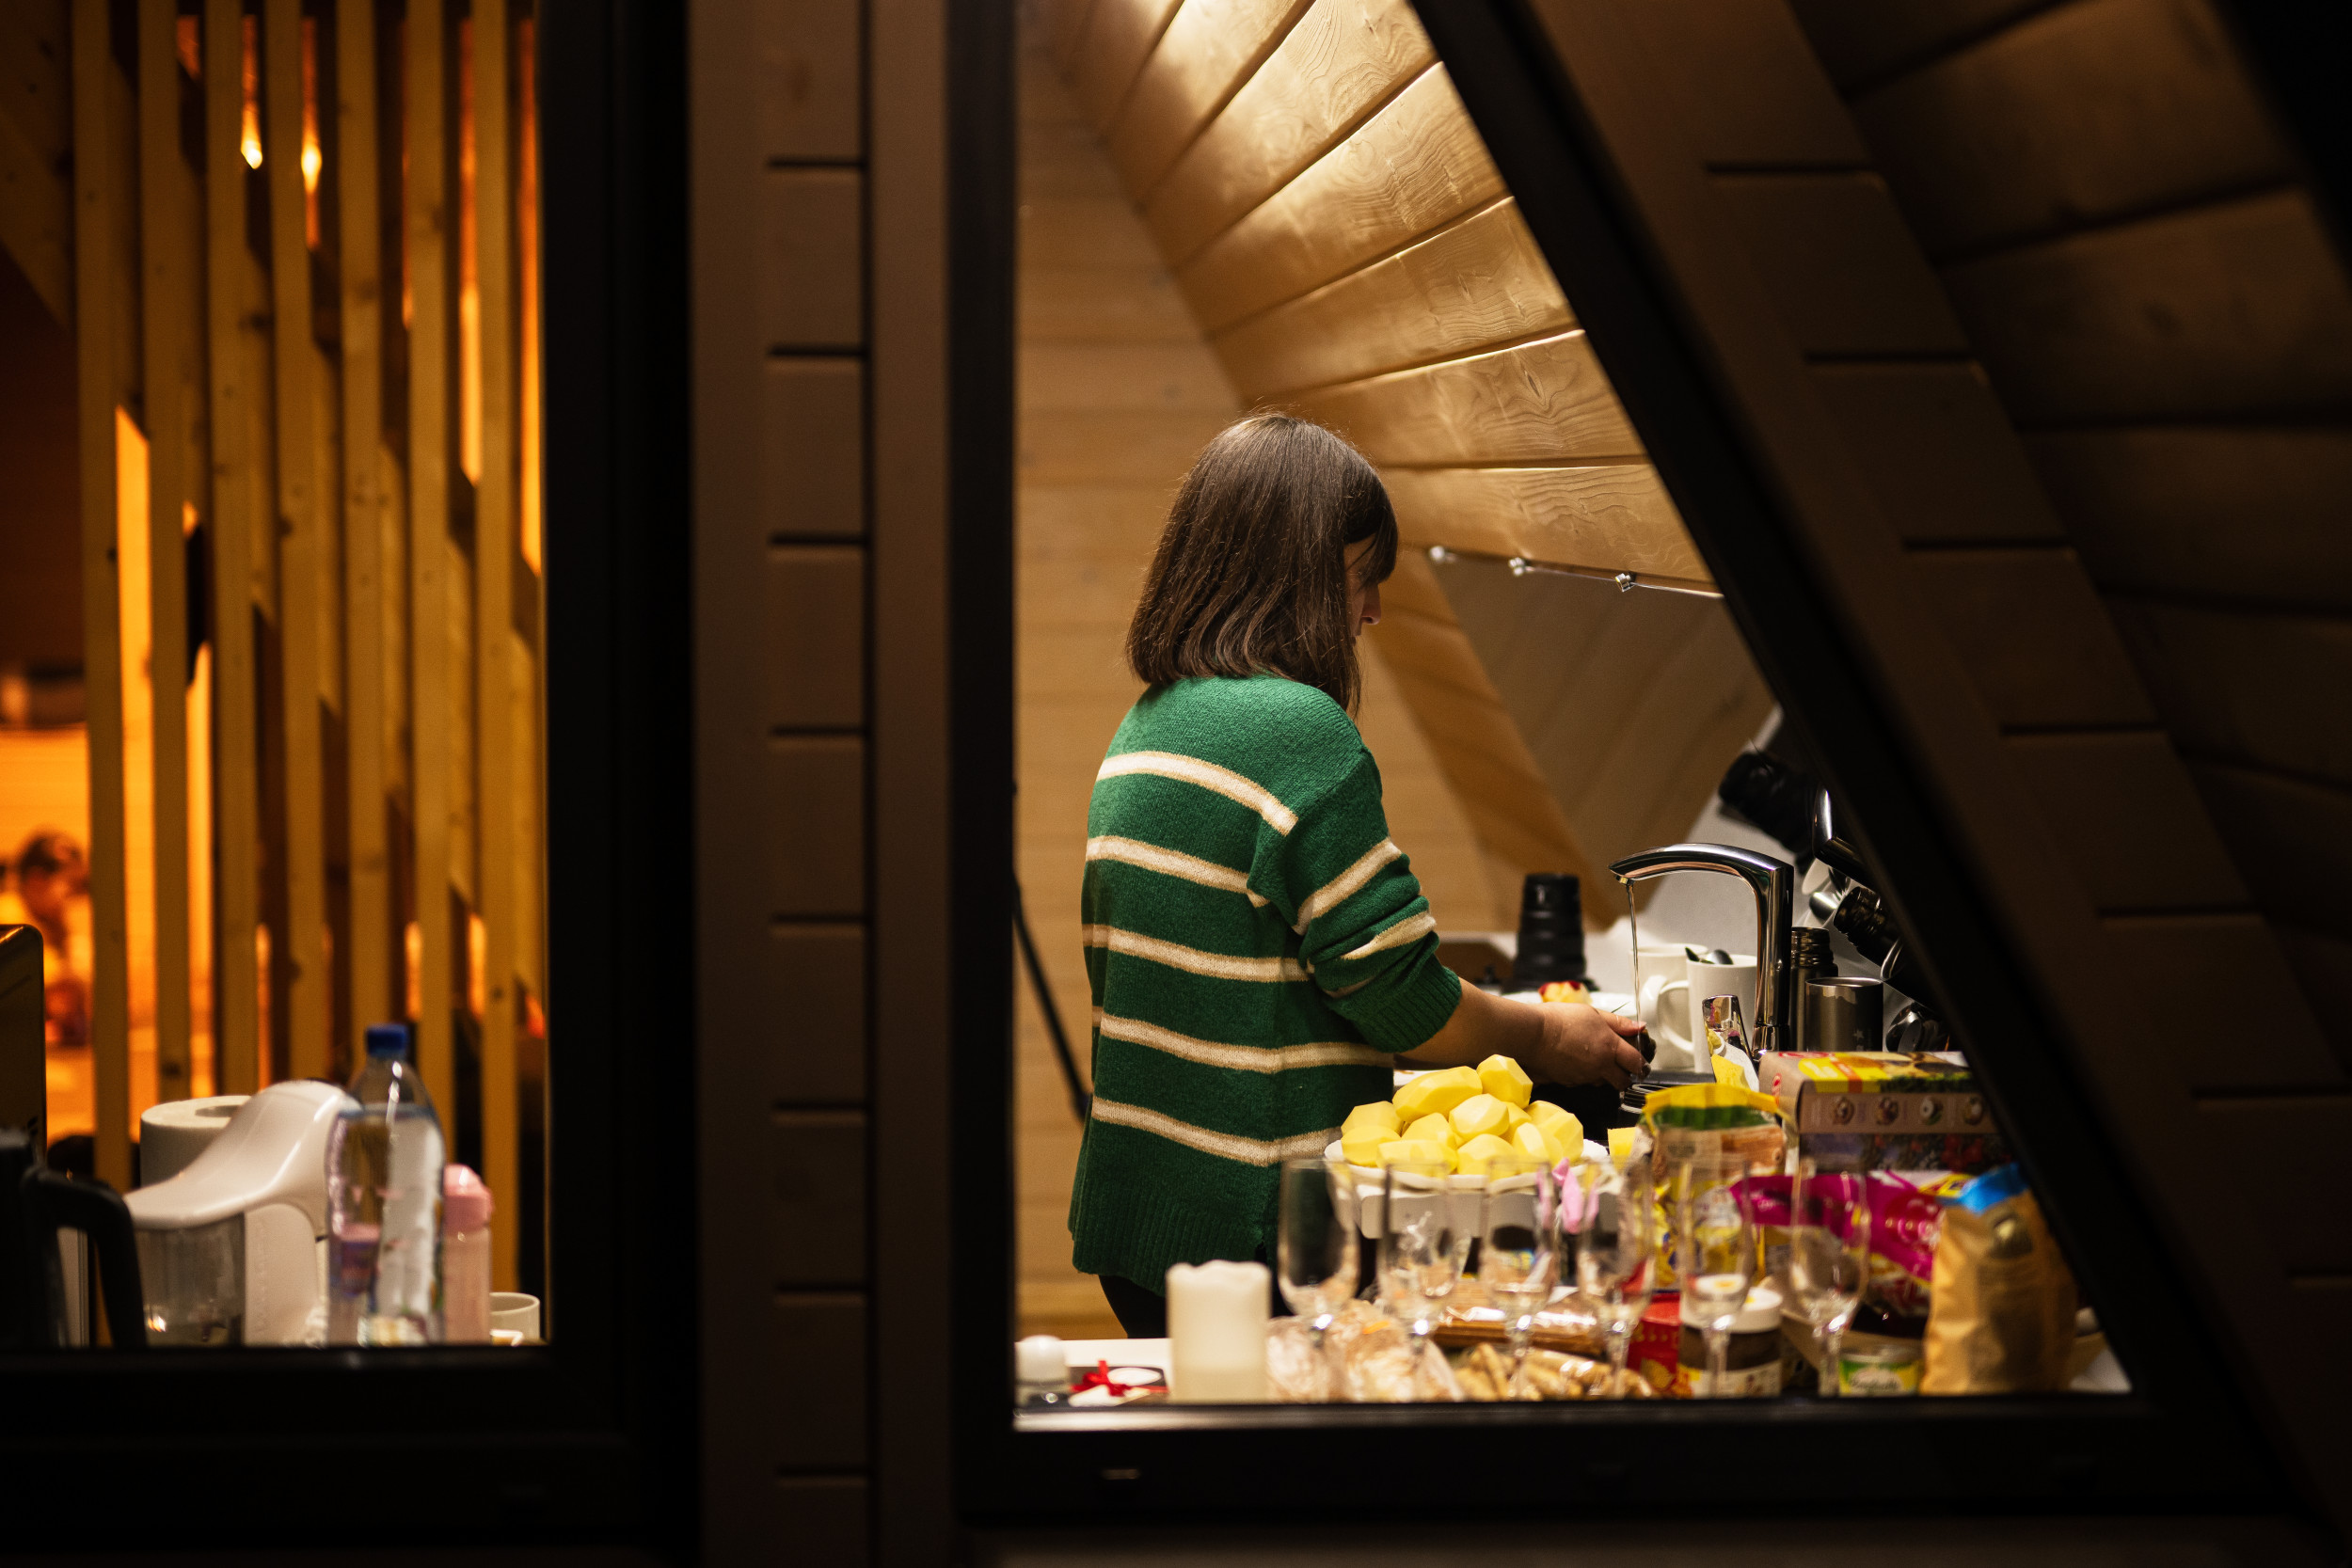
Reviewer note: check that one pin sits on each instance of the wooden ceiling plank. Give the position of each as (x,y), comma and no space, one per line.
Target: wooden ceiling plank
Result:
(1862,41)
(2084,113)
(2293,1053)
(2239,687)
(1209,50)
(2127,822)
(1416,164)
(2225,514)
(2293,836)
(1469,286)
(2035,636)
(1119,36)
(1935,451)
(1617,518)
(1342,62)
(1547,401)
(1843,273)
(2235,310)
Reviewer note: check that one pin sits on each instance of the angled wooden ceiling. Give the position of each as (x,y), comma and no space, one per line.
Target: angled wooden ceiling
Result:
(1334,222)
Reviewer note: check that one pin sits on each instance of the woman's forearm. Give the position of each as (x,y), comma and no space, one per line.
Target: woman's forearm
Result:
(1556,1043)
(1482,1025)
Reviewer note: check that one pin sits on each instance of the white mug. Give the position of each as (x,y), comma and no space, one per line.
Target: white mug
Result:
(1736,978)
(1659,984)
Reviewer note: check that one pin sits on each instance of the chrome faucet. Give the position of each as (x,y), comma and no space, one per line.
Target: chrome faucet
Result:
(1775,883)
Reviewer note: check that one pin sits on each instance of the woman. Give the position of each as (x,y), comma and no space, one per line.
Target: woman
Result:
(1260,954)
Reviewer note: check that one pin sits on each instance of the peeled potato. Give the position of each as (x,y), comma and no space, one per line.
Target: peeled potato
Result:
(1363,1151)
(1406,1151)
(1379,1114)
(1505,1080)
(1477,1154)
(1621,1144)
(1562,1128)
(1530,1140)
(1480,1114)
(1435,1093)
(1432,1130)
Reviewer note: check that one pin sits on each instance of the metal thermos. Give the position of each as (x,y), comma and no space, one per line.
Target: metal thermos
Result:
(1841,1013)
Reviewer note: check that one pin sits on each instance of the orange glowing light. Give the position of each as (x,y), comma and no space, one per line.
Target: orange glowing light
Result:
(249,128)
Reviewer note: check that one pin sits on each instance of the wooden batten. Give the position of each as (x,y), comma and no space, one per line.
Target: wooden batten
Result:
(238,382)
(1210,49)
(36,133)
(501,820)
(370,585)
(102,208)
(432,475)
(171,295)
(303,402)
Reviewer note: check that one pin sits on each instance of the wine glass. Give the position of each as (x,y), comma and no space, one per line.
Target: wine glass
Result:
(1315,1240)
(1607,1214)
(1829,1253)
(1423,1246)
(1519,1252)
(1714,1252)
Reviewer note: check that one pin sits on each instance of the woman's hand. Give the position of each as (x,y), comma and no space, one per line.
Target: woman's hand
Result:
(1557,1042)
(1584,1045)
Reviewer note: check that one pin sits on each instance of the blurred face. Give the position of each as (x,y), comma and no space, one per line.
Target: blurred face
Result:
(1363,598)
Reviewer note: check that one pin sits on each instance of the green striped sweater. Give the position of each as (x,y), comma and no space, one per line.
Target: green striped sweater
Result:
(1257,948)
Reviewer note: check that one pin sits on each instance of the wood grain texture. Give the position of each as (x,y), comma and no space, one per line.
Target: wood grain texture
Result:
(1614,518)
(305,411)
(2130,825)
(100,335)
(371,573)
(434,593)
(1862,41)
(1544,401)
(2271,1038)
(2034,636)
(36,131)
(1843,274)
(1468,287)
(172,375)
(1342,62)
(1936,451)
(2237,309)
(1414,166)
(2226,512)
(238,365)
(1746,89)
(2237,686)
(2077,116)
(1209,49)
(1119,36)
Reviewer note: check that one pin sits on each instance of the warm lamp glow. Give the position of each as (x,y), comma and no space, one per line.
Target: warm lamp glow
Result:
(250,131)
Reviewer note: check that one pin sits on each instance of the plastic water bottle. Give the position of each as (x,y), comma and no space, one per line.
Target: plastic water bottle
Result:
(384,1203)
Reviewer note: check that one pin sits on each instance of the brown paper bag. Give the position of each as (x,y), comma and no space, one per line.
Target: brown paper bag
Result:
(2001,1318)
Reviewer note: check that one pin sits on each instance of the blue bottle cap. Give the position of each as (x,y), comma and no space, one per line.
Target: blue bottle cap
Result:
(388,1039)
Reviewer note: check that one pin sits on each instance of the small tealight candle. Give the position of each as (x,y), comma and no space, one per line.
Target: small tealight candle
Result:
(1217,1327)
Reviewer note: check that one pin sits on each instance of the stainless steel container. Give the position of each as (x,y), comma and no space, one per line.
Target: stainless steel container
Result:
(1841,1013)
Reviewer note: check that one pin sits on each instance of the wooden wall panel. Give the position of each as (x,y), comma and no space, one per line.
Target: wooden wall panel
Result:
(1411,167)
(36,215)
(1210,48)
(1614,517)
(1119,35)
(1862,41)
(1466,287)
(1548,398)
(1936,454)
(1343,62)
(2085,113)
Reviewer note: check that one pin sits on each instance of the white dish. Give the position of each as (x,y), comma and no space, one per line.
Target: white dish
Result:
(1371,1186)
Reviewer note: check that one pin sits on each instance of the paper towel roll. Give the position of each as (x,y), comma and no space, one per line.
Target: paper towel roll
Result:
(172,1134)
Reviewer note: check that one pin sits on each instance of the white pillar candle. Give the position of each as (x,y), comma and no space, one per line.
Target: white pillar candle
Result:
(1216,1325)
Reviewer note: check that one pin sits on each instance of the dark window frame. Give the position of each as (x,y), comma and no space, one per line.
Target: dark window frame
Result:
(2184,1441)
(591,1439)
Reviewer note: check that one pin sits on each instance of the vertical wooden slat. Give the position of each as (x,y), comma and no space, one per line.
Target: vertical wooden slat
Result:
(98,209)
(431,706)
(239,520)
(169,289)
(495,500)
(365,585)
(301,515)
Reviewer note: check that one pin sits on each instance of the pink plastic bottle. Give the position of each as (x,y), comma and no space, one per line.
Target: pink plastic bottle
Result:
(466,1210)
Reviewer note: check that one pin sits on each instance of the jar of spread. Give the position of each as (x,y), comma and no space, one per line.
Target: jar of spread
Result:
(1751,1362)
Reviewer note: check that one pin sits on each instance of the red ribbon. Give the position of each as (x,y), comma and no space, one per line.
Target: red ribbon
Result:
(1101,1378)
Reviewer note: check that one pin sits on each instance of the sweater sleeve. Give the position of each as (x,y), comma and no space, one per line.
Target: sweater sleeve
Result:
(1365,930)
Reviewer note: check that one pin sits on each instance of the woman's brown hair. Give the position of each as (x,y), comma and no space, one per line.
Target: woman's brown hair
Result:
(1252,570)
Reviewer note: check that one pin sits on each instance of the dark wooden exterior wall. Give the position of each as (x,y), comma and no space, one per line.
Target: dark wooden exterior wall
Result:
(2041,342)
(821,242)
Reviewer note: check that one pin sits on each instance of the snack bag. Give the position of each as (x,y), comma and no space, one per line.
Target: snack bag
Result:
(1701,1121)
(1904,1223)
(2003,1321)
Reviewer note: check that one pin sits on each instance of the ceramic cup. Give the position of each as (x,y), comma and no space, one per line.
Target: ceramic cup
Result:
(514,1310)
(1736,978)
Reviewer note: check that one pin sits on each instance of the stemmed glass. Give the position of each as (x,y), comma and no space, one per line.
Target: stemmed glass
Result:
(1829,1253)
(1714,1252)
(1315,1242)
(1519,1252)
(1423,1247)
(1607,1215)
